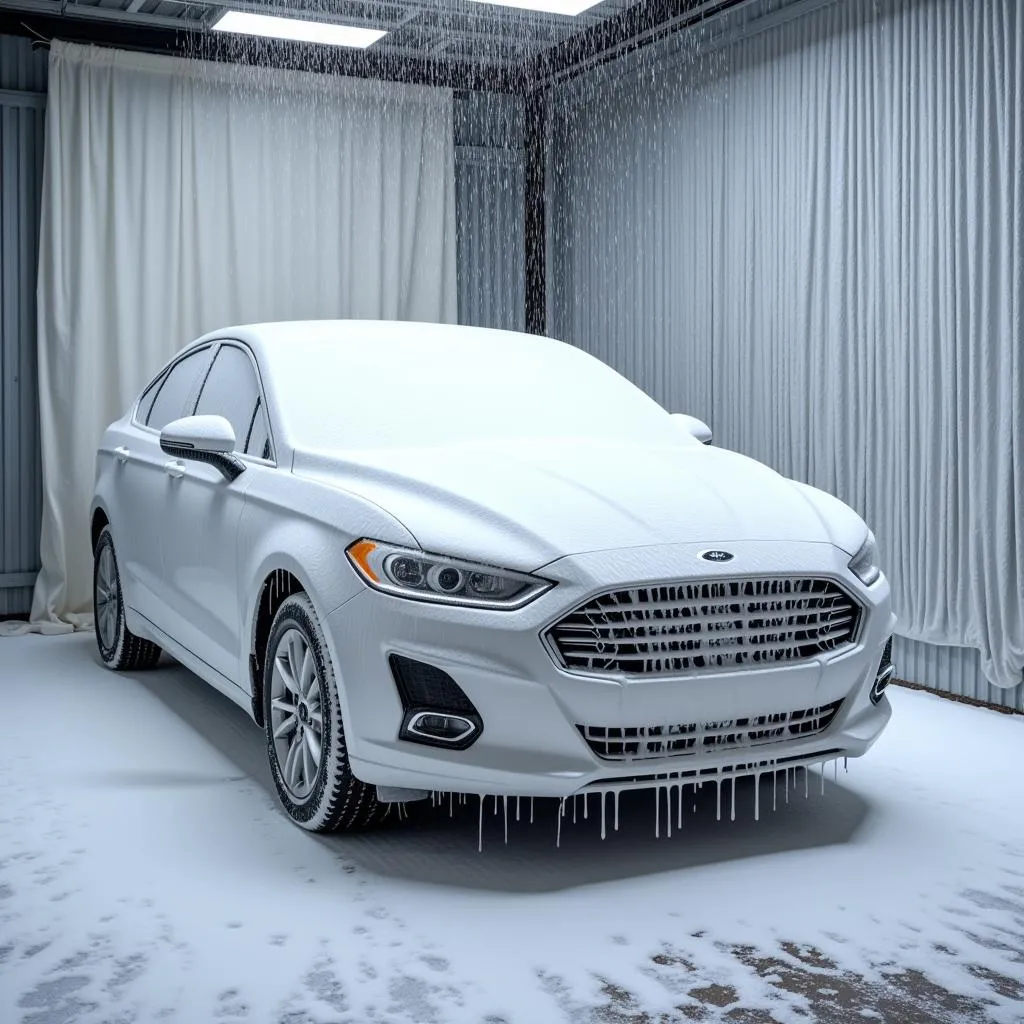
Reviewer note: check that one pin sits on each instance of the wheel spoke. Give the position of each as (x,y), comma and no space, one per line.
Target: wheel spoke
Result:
(317,719)
(286,726)
(291,764)
(308,767)
(308,675)
(295,658)
(313,746)
(283,670)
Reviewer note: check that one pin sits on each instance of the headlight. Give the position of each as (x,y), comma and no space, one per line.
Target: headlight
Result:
(408,573)
(864,564)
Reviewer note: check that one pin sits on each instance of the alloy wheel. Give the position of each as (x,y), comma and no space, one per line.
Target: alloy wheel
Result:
(108,598)
(296,715)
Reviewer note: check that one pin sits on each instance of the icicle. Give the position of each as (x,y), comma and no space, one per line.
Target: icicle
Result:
(657,811)
(822,778)
(757,796)
(505,801)
(733,814)
(480,834)
(616,810)
(835,773)
(775,789)
(575,803)
(718,800)
(806,779)
(495,804)
(845,768)
(668,811)
(586,803)
(603,796)
(432,800)
(451,805)
(531,810)
(787,785)
(679,810)
(517,808)
(561,812)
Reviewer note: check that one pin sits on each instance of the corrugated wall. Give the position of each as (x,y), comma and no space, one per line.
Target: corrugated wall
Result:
(489,200)
(489,169)
(951,669)
(22,111)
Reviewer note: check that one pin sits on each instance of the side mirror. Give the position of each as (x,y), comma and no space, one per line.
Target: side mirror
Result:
(693,426)
(209,439)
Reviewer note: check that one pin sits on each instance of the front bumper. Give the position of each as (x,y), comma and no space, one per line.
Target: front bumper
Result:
(530,745)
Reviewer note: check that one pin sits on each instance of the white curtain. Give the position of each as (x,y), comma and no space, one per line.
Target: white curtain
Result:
(181,196)
(847,189)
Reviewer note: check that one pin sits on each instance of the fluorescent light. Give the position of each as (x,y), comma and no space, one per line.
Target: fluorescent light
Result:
(299,29)
(570,7)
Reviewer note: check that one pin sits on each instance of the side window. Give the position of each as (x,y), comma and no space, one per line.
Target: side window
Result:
(231,391)
(259,434)
(148,396)
(178,384)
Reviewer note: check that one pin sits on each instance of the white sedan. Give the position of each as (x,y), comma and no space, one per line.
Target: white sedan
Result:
(433,558)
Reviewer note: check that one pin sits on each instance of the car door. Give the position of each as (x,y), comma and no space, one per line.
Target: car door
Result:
(142,480)
(200,540)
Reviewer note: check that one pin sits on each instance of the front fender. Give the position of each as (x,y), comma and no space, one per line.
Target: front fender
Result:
(303,527)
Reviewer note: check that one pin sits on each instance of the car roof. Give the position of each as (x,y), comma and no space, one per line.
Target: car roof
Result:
(271,336)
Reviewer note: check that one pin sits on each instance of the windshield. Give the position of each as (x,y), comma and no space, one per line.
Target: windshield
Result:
(435,386)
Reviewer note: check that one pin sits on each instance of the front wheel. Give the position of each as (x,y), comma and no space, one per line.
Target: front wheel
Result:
(120,649)
(305,736)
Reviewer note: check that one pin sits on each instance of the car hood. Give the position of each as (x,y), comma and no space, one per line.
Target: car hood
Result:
(523,504)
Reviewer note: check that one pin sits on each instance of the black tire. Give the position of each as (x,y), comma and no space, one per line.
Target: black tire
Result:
(120,649)
(327,797)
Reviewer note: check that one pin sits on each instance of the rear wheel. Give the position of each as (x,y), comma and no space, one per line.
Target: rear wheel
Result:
(120,649)
(305,736)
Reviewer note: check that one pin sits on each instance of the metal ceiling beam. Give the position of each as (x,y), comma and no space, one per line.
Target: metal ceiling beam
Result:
(640,25)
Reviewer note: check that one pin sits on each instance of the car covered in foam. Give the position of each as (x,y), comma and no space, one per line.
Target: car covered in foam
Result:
(435,558)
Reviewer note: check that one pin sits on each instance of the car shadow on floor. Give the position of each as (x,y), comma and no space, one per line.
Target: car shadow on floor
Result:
(439,844)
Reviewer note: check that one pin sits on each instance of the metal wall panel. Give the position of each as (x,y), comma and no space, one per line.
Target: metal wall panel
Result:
(22,99)
(490,240)
(490,210)
(21,66)
(951,669)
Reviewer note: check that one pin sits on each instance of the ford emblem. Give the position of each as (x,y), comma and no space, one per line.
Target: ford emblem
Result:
(716,556)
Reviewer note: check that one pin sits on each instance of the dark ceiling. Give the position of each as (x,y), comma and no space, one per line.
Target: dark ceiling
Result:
(461,43)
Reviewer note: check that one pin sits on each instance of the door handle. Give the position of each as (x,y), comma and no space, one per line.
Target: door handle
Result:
(175,468)
(121,453)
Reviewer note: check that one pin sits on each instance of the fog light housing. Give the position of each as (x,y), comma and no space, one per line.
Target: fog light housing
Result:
(437,711)
(884,674)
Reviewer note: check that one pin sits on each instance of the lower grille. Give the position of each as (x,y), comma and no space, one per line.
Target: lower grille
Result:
(706,625)
(642,743)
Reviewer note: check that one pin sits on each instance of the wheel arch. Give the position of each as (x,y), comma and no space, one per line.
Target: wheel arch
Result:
(99,520)
(277,586)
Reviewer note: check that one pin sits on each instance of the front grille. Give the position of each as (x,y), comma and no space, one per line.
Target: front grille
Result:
(704,625)
(641,743)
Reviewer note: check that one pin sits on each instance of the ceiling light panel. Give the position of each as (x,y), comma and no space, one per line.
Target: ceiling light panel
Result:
(298,29)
